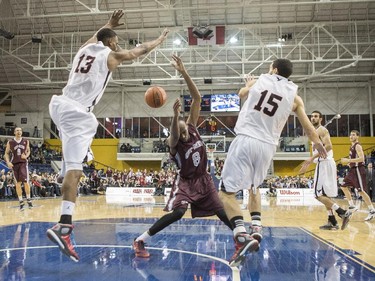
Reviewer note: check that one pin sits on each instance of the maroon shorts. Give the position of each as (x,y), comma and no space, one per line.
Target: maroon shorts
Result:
(356,178)
(199,192)
(20,172)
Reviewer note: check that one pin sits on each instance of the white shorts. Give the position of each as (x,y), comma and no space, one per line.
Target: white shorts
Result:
(77,128)
(247,163)
(325,178)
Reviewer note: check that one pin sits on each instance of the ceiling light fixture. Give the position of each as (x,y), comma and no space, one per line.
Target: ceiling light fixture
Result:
(36,38)
(146,82)
(202,32)
(177,42)
(6,34)
(233,40)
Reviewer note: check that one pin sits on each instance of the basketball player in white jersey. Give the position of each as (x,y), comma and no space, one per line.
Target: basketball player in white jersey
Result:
(268,104)
(72,113)
(325,177)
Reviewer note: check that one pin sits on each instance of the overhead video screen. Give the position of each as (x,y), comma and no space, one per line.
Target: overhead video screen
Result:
(225,103)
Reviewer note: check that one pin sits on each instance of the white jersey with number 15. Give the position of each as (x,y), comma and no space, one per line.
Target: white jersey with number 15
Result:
(267,108)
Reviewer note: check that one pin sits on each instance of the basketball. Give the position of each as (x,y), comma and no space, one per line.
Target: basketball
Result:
(155,97)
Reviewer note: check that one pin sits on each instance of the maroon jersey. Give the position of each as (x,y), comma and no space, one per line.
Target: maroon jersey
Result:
(353,154)
(18,148)
(191,156)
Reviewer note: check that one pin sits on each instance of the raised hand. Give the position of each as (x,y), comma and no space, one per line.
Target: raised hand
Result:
(164,34)
(249,80)
(177,107)
(178,64)
(114,21)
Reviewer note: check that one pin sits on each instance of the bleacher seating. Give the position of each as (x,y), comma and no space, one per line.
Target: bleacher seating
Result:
(136,149)
(40,168)
(295,148)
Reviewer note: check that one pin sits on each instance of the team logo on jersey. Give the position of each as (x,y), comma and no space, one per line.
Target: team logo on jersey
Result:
(196,145)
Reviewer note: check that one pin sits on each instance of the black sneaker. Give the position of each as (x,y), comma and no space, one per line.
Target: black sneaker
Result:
(345,219)
(30,204)
(370,216)
(22,206)
(329,226)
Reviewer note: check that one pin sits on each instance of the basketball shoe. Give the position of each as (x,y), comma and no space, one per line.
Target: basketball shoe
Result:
(329,226)
(140,250)
(244,243)
(22,206)
(256,232)
(30,204)
(353,208)
(345,219)
(62,235)
(370,216)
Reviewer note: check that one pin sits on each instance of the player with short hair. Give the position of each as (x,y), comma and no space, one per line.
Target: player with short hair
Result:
(325,177)
(193,184)
(19,148)
(92,68)
(268,104)
(356,177)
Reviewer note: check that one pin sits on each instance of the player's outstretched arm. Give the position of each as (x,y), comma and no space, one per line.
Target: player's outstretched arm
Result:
(193,90)
(120,55)
(175,128)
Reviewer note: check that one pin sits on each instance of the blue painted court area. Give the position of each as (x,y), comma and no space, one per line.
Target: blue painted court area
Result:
(190,250)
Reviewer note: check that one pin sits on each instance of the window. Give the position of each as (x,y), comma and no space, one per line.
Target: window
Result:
(342,125)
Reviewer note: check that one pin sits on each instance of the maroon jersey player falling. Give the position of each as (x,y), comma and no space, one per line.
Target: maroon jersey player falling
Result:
(16,153)
(193,185)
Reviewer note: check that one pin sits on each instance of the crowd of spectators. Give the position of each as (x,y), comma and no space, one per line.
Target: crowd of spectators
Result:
(42,185)
(160,146)
(125,148)
(92,182)
(95,181)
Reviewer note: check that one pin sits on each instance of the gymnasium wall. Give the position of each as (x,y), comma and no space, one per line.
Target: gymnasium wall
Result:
(329,98)
(105,152)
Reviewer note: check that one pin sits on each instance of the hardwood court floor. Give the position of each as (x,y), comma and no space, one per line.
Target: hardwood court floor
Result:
(293,248)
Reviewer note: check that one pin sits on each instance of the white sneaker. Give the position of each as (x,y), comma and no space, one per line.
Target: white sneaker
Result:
(370,215)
